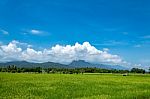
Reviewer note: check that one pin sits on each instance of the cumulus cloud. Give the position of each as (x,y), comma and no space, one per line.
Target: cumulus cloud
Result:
(58,53)
(10,52)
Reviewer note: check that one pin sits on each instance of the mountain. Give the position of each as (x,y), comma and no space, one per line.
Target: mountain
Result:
(31,65)
(82,63)
(73,64)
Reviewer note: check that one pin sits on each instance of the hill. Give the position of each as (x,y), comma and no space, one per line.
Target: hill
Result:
(73,64)
(31,65)
(82,63)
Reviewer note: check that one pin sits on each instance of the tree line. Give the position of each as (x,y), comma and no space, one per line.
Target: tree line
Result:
(15,69)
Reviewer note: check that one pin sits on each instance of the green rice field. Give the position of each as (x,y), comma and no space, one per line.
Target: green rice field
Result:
(74,86)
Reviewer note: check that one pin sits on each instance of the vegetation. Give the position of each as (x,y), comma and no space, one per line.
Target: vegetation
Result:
(66,86)
(14,69)
(84,83)
(137,70)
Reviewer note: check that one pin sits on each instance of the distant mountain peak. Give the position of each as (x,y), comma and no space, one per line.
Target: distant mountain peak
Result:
(83,63)
(79,61)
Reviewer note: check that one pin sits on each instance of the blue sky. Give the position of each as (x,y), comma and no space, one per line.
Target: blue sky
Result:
(122,26)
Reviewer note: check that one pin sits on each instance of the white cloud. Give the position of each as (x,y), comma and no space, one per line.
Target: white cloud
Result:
(58,53)
(10,52)
(36,32)
(11,48)
(106,49)
(137,66)
(4,32)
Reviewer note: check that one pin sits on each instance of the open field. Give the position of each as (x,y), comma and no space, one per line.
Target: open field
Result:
(67,86)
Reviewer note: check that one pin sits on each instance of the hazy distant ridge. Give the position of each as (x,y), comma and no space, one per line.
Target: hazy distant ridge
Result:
(73,64)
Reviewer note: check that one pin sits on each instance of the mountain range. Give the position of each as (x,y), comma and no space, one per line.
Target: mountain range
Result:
(82,63)
(73,64)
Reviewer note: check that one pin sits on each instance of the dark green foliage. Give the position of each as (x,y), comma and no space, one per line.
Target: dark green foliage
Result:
(14,69)
(137,70)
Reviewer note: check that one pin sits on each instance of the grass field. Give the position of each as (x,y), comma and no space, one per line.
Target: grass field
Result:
(73,86)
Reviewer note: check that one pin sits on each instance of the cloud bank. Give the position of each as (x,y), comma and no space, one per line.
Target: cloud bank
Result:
(58,53)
